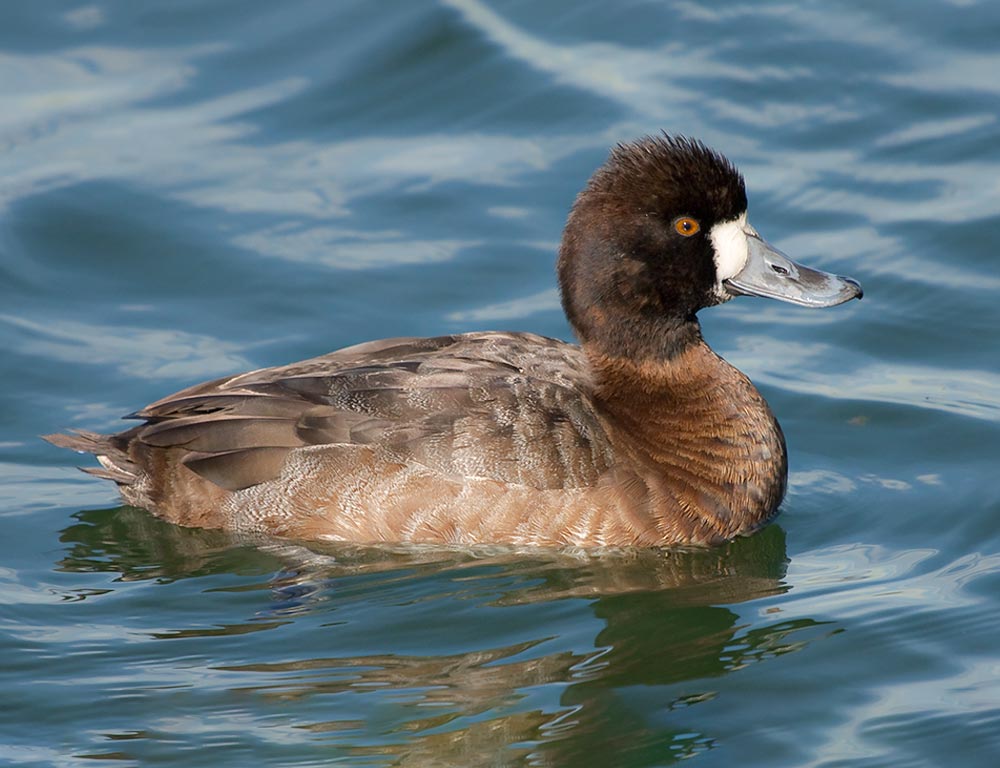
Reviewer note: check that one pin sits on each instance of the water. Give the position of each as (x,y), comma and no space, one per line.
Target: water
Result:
(191,189)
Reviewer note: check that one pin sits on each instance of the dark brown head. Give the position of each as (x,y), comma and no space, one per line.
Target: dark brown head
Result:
(659,232)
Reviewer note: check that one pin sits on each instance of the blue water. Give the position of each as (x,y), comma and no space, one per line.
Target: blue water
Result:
(195,188)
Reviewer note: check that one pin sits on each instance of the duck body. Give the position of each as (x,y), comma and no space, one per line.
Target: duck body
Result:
(641,435)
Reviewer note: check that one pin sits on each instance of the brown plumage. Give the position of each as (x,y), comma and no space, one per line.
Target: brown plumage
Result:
(642,436)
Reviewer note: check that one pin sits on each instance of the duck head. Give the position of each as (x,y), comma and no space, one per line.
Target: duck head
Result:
(660,232)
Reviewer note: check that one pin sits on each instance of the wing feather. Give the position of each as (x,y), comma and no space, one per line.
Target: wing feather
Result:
(505,407)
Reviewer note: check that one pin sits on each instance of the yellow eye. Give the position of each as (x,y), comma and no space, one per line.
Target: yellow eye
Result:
(686,226)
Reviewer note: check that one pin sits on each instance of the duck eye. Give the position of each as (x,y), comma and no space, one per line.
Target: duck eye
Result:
(686,226)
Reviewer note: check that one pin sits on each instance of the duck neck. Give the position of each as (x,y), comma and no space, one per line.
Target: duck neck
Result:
(713,450)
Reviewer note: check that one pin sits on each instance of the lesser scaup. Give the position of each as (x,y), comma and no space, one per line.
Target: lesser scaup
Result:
(641,435)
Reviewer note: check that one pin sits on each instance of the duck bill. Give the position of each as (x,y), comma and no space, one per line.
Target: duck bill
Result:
(771,274)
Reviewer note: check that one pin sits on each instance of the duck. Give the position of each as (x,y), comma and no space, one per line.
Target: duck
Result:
(640,435)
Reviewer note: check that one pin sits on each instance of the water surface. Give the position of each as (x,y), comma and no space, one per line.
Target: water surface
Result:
(193,189)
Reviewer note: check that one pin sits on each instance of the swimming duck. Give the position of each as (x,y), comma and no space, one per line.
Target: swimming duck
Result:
(641,435)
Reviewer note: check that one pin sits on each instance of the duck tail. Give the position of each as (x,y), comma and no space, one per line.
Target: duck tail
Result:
(115,463)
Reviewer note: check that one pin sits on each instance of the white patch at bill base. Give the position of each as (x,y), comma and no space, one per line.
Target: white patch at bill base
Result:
(729,240)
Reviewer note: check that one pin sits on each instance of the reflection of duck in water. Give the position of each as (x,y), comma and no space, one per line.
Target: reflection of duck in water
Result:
(640,436)
(129,542)
(575,659)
